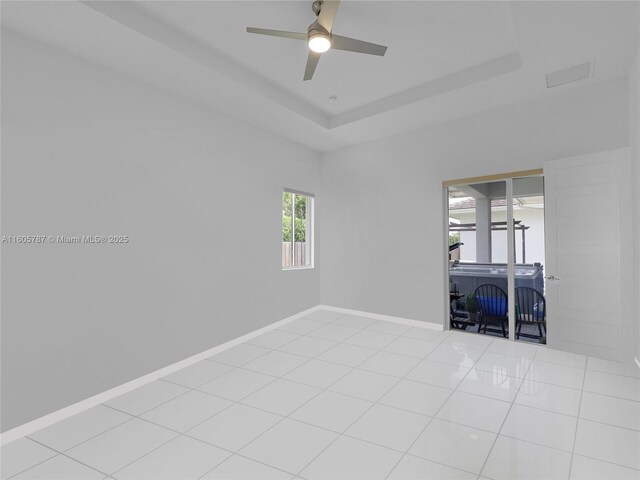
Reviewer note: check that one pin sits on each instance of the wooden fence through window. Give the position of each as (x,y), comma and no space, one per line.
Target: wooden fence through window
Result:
(299,254)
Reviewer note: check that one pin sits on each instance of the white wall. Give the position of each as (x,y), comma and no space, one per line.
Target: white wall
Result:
(634,146)
(383,228)
(87,151)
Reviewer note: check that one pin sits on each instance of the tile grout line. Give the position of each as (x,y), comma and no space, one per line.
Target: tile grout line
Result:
(326,389)
(608,462)
(613,374)
(189,389)
(297,420)
(185,434)
(308,359)
(224,409)
(520,379)
(92,437)
(575,433)
(59,453)
(442,341)
(64,452)
(359,330)
(353,368)
(344,434)
(609,396)
(406,452)
(195,388)
(385,446)
(300,406)
(495,440)
(150,451)
(235,367)
(292,319)
(309,424)
(370,407)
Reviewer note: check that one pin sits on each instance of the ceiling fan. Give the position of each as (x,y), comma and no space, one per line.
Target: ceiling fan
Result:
(320,37)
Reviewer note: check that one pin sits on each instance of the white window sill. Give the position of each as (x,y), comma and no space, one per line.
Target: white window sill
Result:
(306,267)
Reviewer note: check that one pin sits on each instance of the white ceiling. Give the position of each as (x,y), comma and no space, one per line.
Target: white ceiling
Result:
(345,74)
(445,59)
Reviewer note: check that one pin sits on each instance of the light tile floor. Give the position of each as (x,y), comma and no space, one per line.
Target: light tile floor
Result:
(347,397)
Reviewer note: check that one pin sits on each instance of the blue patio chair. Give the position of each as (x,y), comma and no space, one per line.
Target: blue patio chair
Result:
(494,308)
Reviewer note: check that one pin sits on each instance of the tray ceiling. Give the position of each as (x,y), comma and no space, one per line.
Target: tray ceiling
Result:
(445,59)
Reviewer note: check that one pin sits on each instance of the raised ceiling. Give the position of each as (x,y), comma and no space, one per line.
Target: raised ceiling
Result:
(445,59)
(355,79)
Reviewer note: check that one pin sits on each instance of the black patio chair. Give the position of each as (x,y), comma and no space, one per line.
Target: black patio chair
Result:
(531,308)
(494,308)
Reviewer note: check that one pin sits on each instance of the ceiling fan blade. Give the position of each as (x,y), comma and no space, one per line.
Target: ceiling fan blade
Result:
(278,33)
(352,45)
(328,13)
(312,63)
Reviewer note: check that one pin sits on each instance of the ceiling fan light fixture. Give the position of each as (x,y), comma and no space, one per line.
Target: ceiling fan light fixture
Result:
(319,37)
(319,43)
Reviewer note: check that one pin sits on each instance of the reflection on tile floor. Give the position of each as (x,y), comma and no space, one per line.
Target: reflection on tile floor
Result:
(346,397)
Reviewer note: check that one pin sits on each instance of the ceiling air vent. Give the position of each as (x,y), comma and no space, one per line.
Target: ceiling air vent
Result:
(568,75)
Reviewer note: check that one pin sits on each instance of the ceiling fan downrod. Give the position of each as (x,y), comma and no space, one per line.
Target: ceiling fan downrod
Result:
(316,7)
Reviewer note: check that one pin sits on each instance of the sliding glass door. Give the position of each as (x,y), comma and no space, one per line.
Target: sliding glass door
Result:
(478,277)
(529,259)
(494,289)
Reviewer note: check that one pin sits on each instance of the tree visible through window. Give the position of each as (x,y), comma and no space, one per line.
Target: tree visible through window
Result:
(297,212)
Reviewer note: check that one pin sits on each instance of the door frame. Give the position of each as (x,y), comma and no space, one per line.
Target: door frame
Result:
(508,179)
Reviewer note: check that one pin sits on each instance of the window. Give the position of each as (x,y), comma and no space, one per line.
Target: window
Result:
(297,230)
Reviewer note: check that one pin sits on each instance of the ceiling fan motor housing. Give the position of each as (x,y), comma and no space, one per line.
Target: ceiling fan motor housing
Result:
(315,29)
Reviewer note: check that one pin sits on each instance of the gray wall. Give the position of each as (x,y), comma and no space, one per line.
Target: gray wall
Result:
(383,224)
(634,147)
(87,151)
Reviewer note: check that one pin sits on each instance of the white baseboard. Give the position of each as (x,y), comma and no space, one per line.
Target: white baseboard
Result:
(404,321)
(74,409)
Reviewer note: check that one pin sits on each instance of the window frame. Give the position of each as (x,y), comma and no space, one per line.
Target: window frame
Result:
(309,235)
